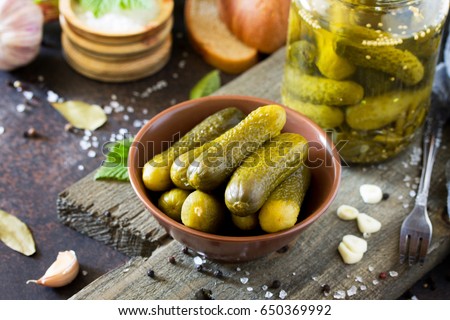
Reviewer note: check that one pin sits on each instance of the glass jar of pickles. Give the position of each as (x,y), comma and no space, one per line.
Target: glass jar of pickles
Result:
(363,70)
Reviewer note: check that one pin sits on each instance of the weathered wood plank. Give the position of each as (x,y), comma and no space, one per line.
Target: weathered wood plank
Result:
(308,264)
(314,256)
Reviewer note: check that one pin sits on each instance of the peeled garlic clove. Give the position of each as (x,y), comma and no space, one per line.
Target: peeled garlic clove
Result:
(349,256)
(62,272)
(346,212)
(354,243)
(371,193)
(367,224)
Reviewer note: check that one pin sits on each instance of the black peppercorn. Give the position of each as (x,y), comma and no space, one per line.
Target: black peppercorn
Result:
(151,273)
(203,294)
(385,196)
(275,284)
(172,260)
(326,289)
(199,268)
(185,250)
(283,249)
(107,214)
(30,133)
(218,273)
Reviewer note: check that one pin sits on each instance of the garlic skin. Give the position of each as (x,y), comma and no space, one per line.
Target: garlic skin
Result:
(21,24)
(62,272)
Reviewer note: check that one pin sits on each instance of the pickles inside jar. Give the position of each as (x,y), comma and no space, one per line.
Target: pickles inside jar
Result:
(372,73)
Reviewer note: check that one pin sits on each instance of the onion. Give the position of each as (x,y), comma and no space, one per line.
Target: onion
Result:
(261,24)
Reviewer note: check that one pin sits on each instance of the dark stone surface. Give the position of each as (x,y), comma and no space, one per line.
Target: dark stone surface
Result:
(34,171)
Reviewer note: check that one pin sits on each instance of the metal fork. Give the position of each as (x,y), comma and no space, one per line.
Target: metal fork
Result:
(416,230)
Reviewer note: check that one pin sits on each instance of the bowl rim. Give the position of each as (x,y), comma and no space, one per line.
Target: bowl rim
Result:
(65,8)
(155,211)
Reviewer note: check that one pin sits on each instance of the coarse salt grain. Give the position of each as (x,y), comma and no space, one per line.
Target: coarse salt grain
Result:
(375,282)
(108,109)
(363,288)
(28,95)
(84,273)
(80,167)
(21,108)
(95,144)
(41,78)
(126,117)
(137,123)
(339,295)
(238,269)
(91,154)
(268,295)
(244,280)
(393,274)
(352,291)
(247,273)
(2,130)
(264,287)
(113,97)
(85,145)
(359,279)
(412,193)
(371,268)
(283,294)
(52,96)
(198,261)
(314,278)
(130,109)
(144,111)
(123,130)
(249,289)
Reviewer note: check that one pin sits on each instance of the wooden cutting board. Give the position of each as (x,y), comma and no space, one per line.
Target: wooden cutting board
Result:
(302,269)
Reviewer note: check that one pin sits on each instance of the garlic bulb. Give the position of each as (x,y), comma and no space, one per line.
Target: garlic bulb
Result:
(62,272)
(21,23)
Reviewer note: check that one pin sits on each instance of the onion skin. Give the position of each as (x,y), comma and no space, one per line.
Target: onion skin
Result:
(261,24)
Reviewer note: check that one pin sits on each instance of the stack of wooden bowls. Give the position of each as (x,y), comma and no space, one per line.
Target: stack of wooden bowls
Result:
(116,57)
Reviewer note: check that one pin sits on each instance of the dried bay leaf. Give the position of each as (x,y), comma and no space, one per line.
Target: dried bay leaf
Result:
(82,115)
(15,234)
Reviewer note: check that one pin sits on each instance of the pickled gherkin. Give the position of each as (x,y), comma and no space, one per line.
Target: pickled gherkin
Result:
(319,90)
(330,64)
(378,111)
(401,64)
(375,64)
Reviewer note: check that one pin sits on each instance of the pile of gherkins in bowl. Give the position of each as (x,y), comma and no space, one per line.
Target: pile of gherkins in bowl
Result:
(235,170)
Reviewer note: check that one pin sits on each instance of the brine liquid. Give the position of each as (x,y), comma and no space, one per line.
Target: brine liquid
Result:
(362,73)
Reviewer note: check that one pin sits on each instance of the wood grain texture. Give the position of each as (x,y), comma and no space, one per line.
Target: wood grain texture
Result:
(308,264)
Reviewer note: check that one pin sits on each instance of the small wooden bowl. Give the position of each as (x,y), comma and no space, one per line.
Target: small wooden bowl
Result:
(153,27)
(116,57)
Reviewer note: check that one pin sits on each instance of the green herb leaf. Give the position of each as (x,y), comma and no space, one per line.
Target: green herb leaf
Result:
(82,115)
(207,85)
(15,234)
(115,167)
(100,7)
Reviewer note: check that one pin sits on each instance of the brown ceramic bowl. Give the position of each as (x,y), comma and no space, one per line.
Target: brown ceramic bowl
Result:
(322,158)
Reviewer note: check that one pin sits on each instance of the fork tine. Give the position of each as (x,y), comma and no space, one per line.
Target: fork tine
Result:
(424,249)
(414,243)
(403,246)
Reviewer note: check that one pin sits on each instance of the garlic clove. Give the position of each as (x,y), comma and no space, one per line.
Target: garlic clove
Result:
(354,243)
(367,224)
(349,256)
(346,212)
(371,193)
(62,272)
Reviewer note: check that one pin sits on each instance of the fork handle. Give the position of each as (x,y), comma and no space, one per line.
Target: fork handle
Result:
(431,143)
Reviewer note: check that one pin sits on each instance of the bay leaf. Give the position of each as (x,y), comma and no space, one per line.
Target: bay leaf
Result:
(15,234)
(207,85)
(82,115)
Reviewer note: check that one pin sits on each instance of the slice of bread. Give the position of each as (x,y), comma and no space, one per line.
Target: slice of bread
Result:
(212,39)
